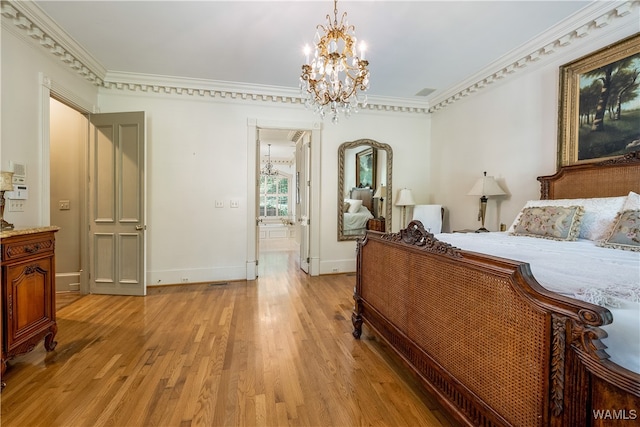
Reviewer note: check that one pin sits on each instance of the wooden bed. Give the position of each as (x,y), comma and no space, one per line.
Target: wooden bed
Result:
(484,337)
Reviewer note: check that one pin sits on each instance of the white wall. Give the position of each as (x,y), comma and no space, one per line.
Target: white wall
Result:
(508,130)
(23,107)
(197,153)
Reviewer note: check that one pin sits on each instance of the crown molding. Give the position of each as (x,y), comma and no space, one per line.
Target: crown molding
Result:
(586,22)
(169,85)
(30,22)
(33,24)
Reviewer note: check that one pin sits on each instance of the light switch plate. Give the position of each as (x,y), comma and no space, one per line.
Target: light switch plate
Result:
(64,205)
(16,205)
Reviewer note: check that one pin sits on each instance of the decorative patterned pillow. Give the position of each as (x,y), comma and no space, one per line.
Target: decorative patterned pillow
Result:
(550,222)
(626,231)
(599,214)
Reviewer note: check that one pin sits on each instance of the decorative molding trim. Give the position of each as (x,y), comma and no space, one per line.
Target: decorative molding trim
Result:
(32,23)
(416,235)
(582,24)
(557,363)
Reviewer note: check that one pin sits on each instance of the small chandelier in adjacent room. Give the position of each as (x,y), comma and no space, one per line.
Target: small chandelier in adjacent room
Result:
(332,77)
(268,169)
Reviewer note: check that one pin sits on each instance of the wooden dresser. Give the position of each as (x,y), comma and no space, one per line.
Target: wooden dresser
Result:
(28,309)
(376,224)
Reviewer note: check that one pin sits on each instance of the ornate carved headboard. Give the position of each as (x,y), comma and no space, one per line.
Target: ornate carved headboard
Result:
(609,178)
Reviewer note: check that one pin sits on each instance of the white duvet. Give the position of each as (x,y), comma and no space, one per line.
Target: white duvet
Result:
(357,222)
(579,269)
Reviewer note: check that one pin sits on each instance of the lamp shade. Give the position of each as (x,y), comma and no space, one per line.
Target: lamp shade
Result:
(381,192)
(6,183)
(486,186)
(405,198)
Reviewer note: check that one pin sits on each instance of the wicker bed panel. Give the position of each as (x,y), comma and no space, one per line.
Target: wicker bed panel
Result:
(445,323)
(609,179)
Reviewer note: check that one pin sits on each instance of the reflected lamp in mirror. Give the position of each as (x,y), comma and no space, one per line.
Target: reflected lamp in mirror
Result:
(405,198)
(484,187)
(6,184)
(381,194)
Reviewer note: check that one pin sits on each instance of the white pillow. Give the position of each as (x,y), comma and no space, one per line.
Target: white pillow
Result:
(354,205)
(625,233)
(599,214)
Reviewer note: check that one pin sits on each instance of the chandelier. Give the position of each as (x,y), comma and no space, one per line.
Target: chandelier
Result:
(331,79)
(268,169)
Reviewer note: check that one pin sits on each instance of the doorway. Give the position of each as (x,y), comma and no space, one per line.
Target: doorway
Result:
(278,205)
(67,150)
(305,178)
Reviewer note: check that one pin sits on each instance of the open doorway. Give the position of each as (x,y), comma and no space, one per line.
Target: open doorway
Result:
(279,234)
(67,151)
(309,181)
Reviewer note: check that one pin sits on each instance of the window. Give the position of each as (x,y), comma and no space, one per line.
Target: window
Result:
(274,196)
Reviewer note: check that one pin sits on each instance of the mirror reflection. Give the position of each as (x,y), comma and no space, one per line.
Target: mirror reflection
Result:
(364,181)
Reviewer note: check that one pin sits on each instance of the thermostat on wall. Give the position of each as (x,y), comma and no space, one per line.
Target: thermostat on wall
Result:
(20,192)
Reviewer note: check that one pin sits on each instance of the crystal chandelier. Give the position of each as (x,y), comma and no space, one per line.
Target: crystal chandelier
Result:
(332,78)
(268,169)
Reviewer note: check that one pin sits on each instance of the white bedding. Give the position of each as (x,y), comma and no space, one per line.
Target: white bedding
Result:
(581,270)
(356,223)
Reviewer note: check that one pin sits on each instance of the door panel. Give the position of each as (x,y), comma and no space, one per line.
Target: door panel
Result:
(117,203)
(302,199)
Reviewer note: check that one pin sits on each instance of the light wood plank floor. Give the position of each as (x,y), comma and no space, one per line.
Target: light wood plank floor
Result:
(277,351)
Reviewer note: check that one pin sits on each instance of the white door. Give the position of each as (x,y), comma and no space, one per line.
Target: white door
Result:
(257,202)
(117,204)
(302,200)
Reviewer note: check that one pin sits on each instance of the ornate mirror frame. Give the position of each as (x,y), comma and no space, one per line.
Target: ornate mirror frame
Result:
(384,179)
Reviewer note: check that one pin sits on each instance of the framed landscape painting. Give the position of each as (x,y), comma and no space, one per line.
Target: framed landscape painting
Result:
(599,111)
(366,168)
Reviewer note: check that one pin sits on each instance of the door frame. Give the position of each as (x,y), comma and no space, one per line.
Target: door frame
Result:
(52,89)
(314,197)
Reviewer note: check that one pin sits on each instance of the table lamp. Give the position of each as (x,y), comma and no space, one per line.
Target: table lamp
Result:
(484,187)
(405,198)
(6,184)
(381,194)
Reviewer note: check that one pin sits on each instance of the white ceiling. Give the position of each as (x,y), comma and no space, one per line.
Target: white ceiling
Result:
(412,45)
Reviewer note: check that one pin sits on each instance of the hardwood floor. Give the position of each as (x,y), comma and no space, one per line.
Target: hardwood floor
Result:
(277,351)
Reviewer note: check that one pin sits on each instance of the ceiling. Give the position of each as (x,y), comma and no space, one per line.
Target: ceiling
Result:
(412,45)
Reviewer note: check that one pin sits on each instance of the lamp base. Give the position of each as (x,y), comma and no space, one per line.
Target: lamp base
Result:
(482,230)
(4,225)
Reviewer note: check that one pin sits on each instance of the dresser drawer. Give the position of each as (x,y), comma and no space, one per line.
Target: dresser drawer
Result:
(28,247)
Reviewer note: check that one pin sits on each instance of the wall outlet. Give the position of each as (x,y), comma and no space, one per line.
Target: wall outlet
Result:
(234,203)
(219,204)
(185,279)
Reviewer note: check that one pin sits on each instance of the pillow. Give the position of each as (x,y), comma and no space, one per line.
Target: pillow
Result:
(599,214)
(626,230)
(345,207)
(354,206)
(550,222)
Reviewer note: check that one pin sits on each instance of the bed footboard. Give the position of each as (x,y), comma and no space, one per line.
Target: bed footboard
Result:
(484,337)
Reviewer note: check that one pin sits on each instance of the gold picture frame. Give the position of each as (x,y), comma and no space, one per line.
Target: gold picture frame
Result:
(599,107)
